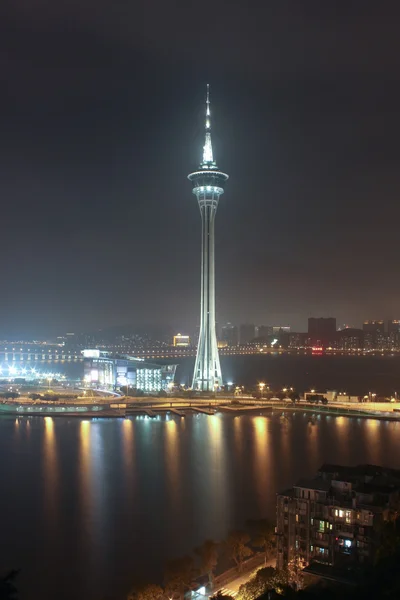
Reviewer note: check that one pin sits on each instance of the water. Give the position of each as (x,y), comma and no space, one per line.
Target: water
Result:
(88,505)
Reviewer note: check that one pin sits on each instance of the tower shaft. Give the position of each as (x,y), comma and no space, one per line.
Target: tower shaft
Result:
(207,372)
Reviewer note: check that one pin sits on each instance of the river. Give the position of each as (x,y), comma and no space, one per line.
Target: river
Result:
(88,505)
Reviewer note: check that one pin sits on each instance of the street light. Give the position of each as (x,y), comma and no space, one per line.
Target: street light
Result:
(261,386)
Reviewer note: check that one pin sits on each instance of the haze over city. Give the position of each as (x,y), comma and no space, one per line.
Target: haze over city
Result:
(101,121)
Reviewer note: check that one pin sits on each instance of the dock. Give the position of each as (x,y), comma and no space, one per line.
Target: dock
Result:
(204,411)
(177,412)
(244,408)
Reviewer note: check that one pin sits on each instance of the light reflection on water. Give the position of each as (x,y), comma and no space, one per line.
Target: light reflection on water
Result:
(263,460)
(172,463)
(122,496)
(51,475)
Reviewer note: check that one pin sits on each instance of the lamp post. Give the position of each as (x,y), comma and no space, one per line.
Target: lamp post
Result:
(261,386)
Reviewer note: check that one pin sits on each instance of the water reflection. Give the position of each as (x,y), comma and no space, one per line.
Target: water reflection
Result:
(373,440)
(50,467)
(342,433)
(313,430)
(85,464)
(238,439)
(285,430)
(263,471)
(172,461)
(219,471)
(128,446)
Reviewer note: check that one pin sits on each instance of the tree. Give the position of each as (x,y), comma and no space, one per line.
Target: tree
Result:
(208,553)
(295,572)
(8,591)
(147,591)
(264,535)
(179,575)
(266,579)
(237,545)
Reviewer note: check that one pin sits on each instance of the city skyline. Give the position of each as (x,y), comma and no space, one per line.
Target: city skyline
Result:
(97,132)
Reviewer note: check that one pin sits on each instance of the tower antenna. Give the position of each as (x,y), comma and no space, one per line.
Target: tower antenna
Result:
(208,158)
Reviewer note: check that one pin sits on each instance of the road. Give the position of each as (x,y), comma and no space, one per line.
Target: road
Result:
(229,583)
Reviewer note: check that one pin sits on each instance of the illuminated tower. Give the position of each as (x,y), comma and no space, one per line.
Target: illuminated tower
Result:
(208,186)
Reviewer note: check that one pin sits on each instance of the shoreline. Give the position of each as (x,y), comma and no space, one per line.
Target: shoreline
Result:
(152,408)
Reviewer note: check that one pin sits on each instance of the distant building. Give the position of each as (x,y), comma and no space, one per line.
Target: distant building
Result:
(321,331)
(336,518)
(181,340)
(393,326)
(229,335)
(70,340)
(350,339)
(297,340)
(263,331)
(247,333)
(374,335)
(277,329)
(108,371)
(393,334)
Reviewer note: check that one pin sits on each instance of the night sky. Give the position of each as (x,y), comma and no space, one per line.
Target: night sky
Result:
(101,121)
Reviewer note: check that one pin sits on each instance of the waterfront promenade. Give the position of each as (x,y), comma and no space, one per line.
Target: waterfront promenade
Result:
(151,407)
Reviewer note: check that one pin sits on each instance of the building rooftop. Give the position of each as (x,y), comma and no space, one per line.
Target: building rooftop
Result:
(317,483)
(375,481)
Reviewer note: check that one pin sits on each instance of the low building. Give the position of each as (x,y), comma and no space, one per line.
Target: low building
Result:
(336,518)
(108,371)
(181,340)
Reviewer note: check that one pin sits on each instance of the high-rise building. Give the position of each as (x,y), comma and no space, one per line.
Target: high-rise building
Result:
(321,331)
(208,185)
(229,334)
(337,517)
(349,338)
(374,326)
(374,334)
(247,333)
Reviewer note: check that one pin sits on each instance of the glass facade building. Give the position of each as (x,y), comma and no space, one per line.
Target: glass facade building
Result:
(104,370)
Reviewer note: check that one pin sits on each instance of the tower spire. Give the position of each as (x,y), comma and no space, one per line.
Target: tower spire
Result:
(207,148)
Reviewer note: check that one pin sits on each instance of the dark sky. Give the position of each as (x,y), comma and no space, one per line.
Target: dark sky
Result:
(101,120)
